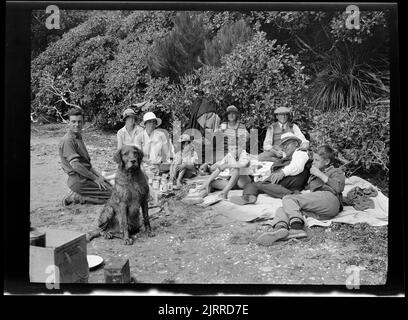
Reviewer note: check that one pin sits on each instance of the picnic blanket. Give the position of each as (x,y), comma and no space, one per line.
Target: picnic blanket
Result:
(266,206)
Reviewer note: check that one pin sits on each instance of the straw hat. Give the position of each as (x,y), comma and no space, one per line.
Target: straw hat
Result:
(232,109)
(128,113)
(289,136)
(281,110)
(150,116)
(185,138)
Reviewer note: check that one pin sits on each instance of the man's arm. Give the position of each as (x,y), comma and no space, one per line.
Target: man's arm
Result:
(90,174)
(297,164)
(299,134)
(80,169)
(336,180)
(268,142)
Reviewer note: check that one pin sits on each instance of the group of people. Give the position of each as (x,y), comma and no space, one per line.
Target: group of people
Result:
(285,146)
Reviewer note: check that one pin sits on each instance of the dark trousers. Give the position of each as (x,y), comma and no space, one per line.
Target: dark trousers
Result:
(285,187)
(87,188)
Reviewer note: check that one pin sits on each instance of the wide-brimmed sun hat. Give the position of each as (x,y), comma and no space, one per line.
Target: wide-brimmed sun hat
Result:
(232,109)
(282,110)
(185,138)
(150,116)
(289,136)
(128,113)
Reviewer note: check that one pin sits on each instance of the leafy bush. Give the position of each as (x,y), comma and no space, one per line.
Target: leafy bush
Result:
(257,77)
(362,139)
(179,52)
(225,41)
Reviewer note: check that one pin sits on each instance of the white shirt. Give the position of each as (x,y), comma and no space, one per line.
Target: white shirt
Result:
(268,142)
(243,159)
(297,164)
(187,156)
(155,147)
(126,138)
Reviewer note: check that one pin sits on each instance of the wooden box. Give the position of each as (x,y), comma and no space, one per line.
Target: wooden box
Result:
(63,249)
(117,271)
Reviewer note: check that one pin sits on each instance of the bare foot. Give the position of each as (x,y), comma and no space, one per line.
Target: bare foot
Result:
(223,195)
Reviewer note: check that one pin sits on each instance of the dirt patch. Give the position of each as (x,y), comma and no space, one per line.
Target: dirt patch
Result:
(196,245)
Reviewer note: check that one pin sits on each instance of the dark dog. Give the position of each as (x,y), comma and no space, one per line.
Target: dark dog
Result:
(121,214)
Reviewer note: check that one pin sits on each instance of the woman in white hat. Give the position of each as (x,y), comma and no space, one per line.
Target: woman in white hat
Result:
(151,141)
(282,125)
(127,135)
(185,161)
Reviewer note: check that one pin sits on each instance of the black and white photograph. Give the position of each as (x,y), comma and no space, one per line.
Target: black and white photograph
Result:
(210,145)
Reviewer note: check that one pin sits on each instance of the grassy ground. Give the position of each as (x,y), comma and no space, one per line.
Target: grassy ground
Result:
(196,245)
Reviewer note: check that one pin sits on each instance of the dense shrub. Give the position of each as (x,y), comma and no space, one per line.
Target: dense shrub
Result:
(225,41)
(178,53)
(362,139)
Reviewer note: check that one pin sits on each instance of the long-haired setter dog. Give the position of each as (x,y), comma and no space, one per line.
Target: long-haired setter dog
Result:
(120,216)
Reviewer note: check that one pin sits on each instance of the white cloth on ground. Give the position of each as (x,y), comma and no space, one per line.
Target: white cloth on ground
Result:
(266,206)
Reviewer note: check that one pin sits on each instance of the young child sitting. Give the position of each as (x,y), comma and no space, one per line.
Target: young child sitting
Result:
(184,163)
(237,161)
(324,201)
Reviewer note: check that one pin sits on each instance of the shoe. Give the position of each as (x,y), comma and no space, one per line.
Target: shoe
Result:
(296,223)
(268,238)
(67,200)
(281,225)
(243,200)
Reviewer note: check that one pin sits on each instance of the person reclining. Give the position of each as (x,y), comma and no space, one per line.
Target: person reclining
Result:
(289,175)
(324,201)
(86,184)
(272,151)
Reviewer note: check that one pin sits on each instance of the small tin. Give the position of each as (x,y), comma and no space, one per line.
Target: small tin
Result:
(117,271)
(170,186)
(156,184)
(163,186)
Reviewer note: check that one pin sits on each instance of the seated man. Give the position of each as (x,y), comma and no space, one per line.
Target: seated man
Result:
(282,125)
(237,161)
(86,184)
(288,175)
(324,201)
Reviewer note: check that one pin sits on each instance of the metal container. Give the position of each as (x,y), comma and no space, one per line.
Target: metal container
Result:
(163,185)
(156,184)
(37,238)
(117,271)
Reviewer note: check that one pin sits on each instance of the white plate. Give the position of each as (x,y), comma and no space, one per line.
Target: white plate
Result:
(94,261)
